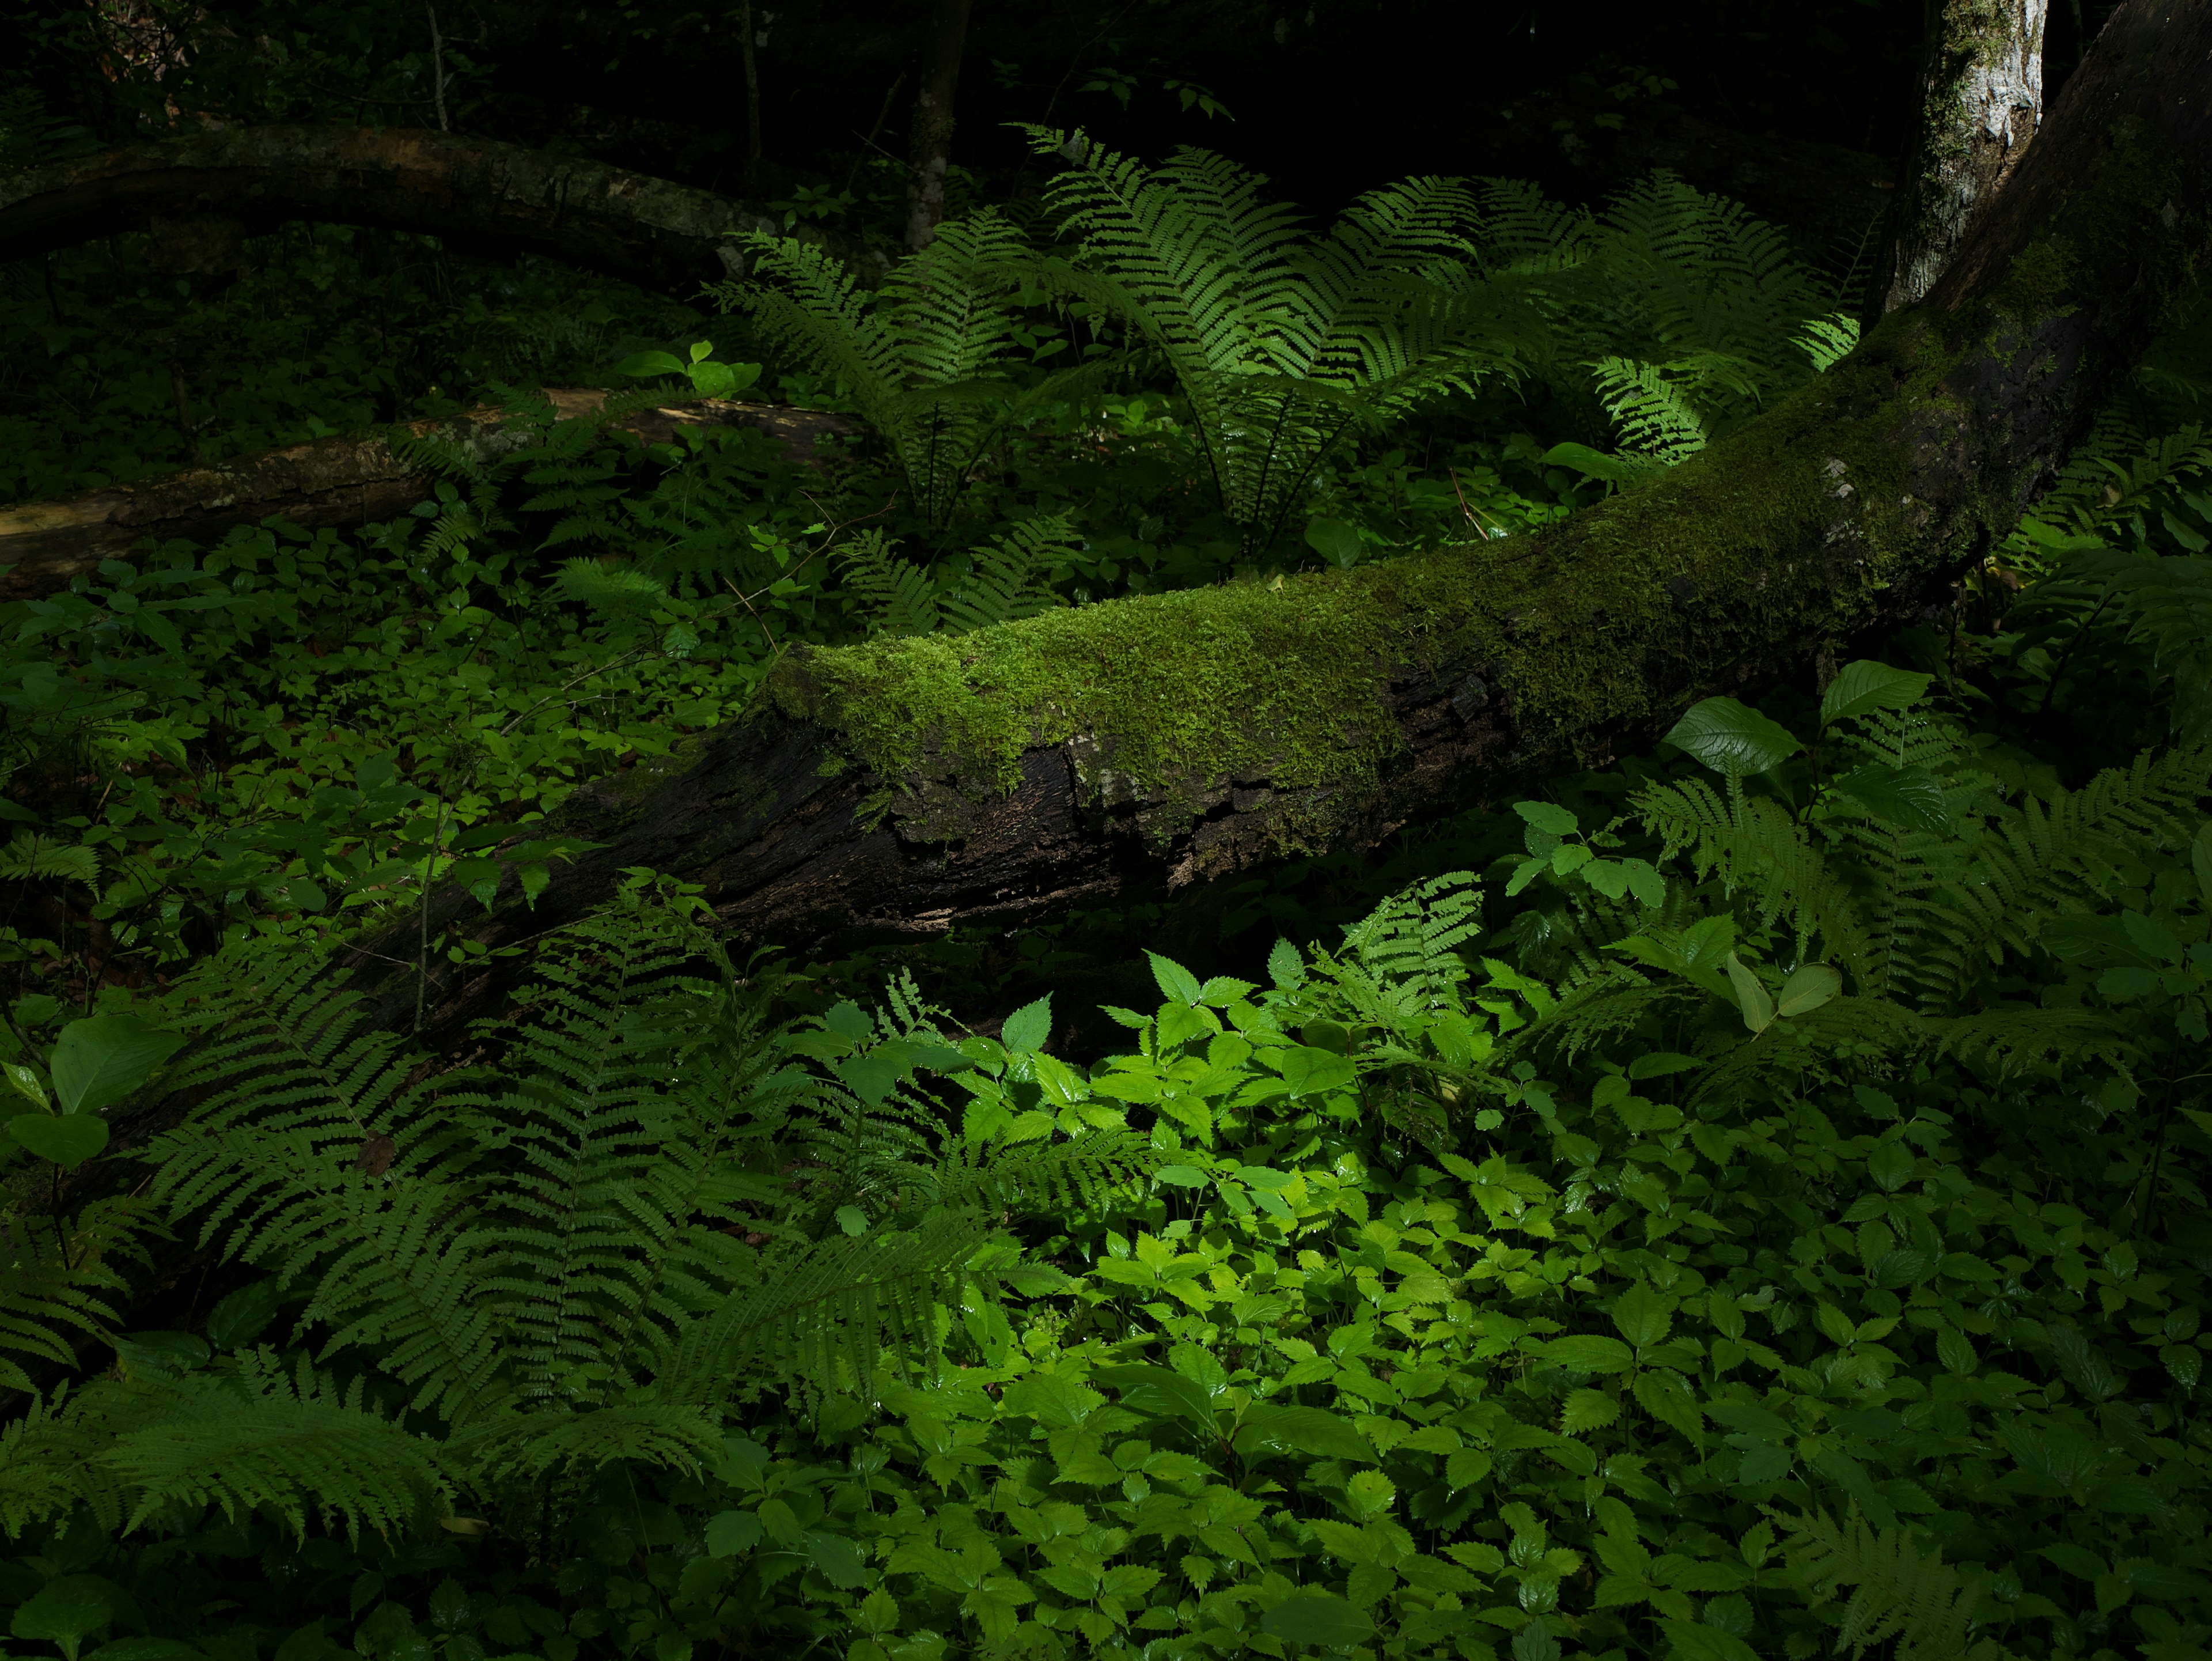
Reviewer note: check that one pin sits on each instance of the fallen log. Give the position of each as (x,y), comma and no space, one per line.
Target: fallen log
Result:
(43,545)
(1154,744)
(201,193)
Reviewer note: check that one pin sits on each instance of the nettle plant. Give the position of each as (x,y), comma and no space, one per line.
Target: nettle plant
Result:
(1815,1260)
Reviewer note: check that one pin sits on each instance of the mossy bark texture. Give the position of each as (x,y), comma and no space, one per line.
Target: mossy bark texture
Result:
(1146,745)
(1981,102)
(197,193)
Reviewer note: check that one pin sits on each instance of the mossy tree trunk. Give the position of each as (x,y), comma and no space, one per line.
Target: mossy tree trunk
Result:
(1981,100)
(1151,744)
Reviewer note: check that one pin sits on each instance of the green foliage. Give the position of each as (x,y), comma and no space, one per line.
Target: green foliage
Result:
(1409,1304)
(1007,580)
(1282,343)
(927,359)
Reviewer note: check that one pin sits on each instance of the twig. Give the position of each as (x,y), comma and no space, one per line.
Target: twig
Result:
(869,143)
(438,95)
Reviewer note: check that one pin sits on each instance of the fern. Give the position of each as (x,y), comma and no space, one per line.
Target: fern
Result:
(55,1279)
(247,1438)
(1900,1590)
(1283,344)
(579,1256)
(926,359)
(1008,579)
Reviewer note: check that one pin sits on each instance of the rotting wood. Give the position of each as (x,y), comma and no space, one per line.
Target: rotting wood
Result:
(201,191)
(43,545)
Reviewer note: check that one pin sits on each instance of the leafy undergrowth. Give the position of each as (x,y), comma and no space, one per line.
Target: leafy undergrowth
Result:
(1819,1259)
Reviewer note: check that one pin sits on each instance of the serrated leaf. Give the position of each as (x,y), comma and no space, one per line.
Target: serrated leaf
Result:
(1318,1618)
(1028,1028)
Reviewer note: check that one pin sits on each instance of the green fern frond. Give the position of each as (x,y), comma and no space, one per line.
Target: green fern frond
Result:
(55,1279)
(1900,1589)
(826,1314)
(250,1438)
(897,597)
(1045,1177)
(924,359)
(522,1447)
(1010,577)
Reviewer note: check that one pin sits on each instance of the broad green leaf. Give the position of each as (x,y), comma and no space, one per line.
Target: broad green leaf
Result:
(651,363)
(1310,1431)
(67,1611)
(1588,1409)
(1731,737)
(1320,1619)
(1693,1640)
(732,1531)
(838,1558)
(1286,967)
(852,1220)
(101,1060)
(1589,1353)
(1814,984)
(1751,997)
(243,1316)
(1059,1403)
(1335,541)
(2200,861)
(1308,1071)
(1865,686)
(1176,983)
(1181,1176)
(1028,1028)
(67,1142)
(1548,816)
(24,1082)
(1161,1393)
(1643,1316)
(1465,1467)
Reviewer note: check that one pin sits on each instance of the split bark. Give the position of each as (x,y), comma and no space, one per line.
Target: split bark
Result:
(1153,744)
(1981,101)
(43,545)
(932,137)
(472,192)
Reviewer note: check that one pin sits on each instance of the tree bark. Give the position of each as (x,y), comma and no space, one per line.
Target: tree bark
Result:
(932,137)
(473,192)
(1151,745)
(1981,99)
(43,545)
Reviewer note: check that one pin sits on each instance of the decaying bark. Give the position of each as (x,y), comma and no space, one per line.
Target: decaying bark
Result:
(332,481)
(202,191)
(1981,100)
(1154,743)
(931,139)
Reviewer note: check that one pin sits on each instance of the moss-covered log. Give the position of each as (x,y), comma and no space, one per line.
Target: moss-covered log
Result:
(332,481)
(199,193)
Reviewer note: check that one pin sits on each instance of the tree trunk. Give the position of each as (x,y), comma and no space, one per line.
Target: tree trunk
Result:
(932,138)
(1981,99)
(333,481)
(472,192)
(1150,744)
